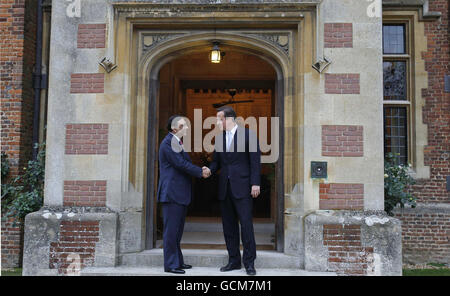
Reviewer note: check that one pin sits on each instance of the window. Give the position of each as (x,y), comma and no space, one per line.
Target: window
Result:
(394,39)
(395,128)
(396,90)
(394,80)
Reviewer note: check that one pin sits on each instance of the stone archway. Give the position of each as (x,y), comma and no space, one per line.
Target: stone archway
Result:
(159,55)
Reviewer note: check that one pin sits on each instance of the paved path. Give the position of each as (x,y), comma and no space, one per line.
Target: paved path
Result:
(195,271)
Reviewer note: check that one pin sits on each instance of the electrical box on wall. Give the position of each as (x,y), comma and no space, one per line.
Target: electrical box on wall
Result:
(319,170)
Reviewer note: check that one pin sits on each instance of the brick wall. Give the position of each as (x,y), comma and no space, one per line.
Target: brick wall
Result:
(342,140)
(86,138)
(346,255)
(91,36)
(425,236)
(12,240)
(426,232)
(338,35)
(85,193)
(87,83)
(340,196)
(341,83)
(17,58)
(77,239)
(436,112)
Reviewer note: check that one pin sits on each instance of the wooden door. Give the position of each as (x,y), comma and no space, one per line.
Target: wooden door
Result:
(205,201)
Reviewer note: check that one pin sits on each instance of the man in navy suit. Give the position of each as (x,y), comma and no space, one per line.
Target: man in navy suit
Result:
(174,191)
(238,157)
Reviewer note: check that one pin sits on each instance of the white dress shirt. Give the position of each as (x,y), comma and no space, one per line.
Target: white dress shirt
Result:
(178,140)
(176,137)
(230,136)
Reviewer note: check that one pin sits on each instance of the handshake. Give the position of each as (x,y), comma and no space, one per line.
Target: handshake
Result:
(206,172)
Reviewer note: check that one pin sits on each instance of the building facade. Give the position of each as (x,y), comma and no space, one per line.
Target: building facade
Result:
(347,81)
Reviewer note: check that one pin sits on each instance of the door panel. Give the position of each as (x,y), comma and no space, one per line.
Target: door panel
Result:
(205,203)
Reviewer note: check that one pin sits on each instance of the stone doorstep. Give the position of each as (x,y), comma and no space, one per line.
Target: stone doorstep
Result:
(208,258)
(217,238)
(259,227)
(195,271)
(205,263)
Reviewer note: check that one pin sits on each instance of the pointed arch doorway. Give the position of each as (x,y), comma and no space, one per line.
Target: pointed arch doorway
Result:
(178,82)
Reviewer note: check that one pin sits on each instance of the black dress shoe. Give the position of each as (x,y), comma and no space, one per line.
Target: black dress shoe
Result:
(175,270)
(185,266)
(229,267)
(250,270)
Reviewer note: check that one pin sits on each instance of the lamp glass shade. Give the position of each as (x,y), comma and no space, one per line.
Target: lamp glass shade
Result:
(215,56)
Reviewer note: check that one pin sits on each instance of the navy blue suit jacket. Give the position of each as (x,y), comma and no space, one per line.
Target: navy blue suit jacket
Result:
(242,165)
(175,171)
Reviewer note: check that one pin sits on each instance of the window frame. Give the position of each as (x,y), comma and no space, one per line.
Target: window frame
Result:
(408,58)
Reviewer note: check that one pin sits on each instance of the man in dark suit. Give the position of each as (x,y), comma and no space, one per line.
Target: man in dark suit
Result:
(174,191)
(238,157)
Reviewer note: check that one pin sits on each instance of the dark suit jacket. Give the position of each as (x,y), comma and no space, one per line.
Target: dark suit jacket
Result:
(175,171)
(242,166)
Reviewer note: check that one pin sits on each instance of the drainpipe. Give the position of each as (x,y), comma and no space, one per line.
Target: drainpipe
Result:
(39,80)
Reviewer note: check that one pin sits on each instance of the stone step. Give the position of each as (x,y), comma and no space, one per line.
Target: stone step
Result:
(215,240)
(222,246)
(208,258)
(213,246)
(195,271)
(258,227)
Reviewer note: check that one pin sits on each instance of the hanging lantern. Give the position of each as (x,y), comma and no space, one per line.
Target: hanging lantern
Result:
(215,54)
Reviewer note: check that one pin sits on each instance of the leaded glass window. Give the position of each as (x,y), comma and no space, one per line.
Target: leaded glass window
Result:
(395,133)
(394,39)
(394,80)
(396,89)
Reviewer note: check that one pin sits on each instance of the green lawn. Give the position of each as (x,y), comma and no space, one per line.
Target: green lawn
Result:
(427,272)
(12,272)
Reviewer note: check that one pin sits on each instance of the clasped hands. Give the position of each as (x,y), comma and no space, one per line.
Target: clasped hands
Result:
(206,172)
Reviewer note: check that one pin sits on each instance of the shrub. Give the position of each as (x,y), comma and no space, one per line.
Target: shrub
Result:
(25,193)
(396,182)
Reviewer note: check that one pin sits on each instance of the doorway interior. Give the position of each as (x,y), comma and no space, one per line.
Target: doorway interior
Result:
(192,82)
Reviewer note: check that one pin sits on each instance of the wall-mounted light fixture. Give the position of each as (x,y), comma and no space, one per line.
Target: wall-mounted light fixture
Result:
(107,65)
(320,65)
(215,56)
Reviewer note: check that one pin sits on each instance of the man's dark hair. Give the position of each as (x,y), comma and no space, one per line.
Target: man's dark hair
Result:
(171,118)
(227,111)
